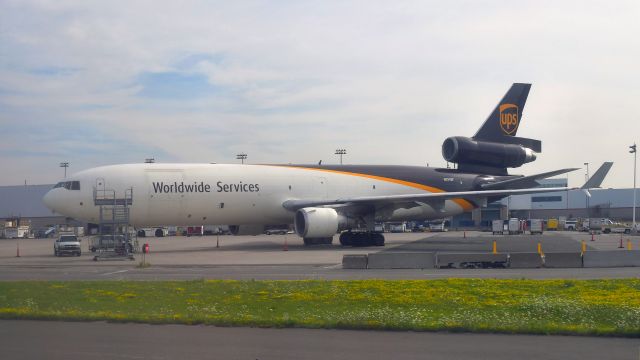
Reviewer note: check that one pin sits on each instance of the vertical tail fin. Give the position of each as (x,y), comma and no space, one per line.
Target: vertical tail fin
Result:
(505,118)
(502,124)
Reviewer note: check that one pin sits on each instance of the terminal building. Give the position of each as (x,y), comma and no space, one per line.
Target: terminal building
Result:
(603,203)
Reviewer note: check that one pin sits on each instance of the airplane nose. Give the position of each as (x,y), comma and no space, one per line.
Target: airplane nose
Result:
(49,201)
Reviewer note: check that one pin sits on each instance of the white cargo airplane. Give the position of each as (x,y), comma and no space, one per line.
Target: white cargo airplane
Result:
(321,200)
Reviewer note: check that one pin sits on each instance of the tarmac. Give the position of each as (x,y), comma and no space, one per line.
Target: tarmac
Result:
(285,257)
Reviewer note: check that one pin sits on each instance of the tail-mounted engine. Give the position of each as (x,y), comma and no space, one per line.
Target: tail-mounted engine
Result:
(490,157)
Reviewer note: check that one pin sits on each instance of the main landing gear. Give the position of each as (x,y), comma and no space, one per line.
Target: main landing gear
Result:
(361,239)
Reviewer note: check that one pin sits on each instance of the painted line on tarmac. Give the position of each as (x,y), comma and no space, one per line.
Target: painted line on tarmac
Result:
(114,272)
(336,266)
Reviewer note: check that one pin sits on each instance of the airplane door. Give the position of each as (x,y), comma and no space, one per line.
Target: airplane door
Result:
(165,203)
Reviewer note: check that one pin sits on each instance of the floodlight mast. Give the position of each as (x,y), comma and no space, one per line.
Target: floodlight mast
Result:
(340,152)
(64,165)
(634,152)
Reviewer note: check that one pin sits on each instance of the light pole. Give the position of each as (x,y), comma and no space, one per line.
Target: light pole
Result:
(585,195)
(633,151)
(241,157)
(64,165)
(341,152)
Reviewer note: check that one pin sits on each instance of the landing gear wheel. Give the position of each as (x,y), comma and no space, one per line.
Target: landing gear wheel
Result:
(378,239)
(360,239)
(346,238)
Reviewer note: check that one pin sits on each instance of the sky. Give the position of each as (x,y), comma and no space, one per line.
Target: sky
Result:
(107,82)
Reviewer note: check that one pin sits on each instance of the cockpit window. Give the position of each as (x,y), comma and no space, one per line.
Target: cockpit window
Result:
(69,185)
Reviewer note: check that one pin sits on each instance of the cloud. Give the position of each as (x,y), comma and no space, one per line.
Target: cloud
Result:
(111,82)
(174,85)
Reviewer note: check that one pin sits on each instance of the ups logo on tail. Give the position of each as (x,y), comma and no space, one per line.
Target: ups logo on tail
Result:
(508,118)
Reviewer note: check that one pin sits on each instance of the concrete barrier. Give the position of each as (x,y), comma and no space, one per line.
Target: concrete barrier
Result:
(354,262)
(563,260)
(525,260)
(614,258)
(393,260)
(471,260)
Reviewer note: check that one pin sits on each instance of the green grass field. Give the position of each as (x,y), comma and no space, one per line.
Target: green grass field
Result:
(592,307)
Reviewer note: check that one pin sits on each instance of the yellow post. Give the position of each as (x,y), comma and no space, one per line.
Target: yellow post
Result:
(584,246)
(495,247)
(540,248)
(629,246)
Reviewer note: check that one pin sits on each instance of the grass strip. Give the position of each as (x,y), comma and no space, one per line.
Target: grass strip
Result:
(575,307)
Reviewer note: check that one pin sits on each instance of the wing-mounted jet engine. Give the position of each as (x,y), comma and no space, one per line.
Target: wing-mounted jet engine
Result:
(494,148)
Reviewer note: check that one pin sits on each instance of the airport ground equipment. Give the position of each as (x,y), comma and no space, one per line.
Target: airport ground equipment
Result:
(536,226)
(152,231)
(606,226)
(497,227)
(514,226)
(115,240)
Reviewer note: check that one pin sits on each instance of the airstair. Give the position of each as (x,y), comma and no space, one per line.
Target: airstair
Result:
(116,239)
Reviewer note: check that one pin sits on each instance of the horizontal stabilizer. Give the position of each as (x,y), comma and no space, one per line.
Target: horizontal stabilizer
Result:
(535,145)
(596,180)
(525,181)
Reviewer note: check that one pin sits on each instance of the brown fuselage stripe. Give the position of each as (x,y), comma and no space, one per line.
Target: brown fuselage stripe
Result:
(466,205)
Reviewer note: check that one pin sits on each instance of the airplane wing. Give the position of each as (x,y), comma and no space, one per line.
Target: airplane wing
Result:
(424,197)
(294,205)
(525,181)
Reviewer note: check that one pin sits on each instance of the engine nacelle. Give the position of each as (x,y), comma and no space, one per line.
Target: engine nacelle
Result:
(252,229)
(463,150)
(319,222)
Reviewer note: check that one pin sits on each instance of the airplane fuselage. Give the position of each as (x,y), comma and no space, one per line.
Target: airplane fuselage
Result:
(201,194)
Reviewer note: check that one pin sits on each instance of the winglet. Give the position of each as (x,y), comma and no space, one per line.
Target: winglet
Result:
(596,180)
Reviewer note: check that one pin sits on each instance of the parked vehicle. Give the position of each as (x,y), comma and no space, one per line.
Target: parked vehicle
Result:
(552,224)
(571,225)
(153,231)
(212,230)
(439,226)
(608,226)
(397,227)
(276,231)
(67,244)
(195,230)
